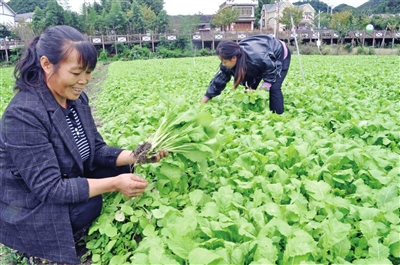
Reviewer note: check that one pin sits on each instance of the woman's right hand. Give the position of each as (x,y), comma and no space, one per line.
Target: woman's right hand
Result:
(130,185)
(204,100)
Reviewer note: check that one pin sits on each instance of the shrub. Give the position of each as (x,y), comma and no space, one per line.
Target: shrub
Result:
(364,50)
(205,52)
(348,47)
(138,52)
(103,55)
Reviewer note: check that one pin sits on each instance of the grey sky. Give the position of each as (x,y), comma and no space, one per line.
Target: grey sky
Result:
(207,7)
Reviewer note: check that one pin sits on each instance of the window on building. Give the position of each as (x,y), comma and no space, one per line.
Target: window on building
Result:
(245,11)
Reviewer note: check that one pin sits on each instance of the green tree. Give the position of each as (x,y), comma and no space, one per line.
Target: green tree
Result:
(149,16)
(341,23)
(26,6)
(225,17)
(38,21)
(161,22)
(136,19)
(72,19)
(325,20)
(116,19)
(54,14)
(4,31)
(295,13)
(155,5)
(90,22)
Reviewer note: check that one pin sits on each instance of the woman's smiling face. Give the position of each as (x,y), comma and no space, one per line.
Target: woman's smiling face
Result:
(69,80)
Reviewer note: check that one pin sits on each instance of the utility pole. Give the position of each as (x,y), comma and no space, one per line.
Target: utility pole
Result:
(277,21)
(297,45)
(319,18)
(276,17)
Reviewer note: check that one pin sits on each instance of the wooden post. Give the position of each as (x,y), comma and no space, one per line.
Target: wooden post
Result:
(393,34)
(102,42)
(152,41)
(383,40)
(202,40)
(363,42)
(373,40)
(6,49)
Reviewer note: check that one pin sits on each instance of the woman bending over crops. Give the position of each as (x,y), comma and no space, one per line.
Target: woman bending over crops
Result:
(54,165)
(261,57)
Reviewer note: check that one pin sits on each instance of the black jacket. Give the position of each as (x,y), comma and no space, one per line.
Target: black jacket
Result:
(262,61)
(36,149)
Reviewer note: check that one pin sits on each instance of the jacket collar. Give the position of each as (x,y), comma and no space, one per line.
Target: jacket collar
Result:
(57,117)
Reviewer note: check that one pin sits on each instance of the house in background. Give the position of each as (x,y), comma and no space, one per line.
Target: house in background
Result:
(7,15)
(25,17)
(308,16)
(270,12)
(247,14)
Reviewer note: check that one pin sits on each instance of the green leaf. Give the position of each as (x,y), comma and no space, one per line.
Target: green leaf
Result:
(395,249)
(210,210)
(302,243)
(342,248)
(334,232)
(367,213)
(203,256)
(195,152)
(377,250)
(195,197)
(157,256)
(273,209)
(266,250)
(149,231)
(110,230)
(172,172)
(181,246)
(318,190)
(276,191)
(128,210)
(110,245)
(386,195)
(368,228)
(117,260)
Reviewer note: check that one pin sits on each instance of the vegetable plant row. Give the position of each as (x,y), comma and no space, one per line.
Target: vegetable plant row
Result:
(316,185)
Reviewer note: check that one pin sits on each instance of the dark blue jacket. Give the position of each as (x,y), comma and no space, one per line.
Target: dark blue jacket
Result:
(37,148)
(262,53)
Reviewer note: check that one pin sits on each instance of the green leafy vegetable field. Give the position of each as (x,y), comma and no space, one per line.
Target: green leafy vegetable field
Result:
(316,185)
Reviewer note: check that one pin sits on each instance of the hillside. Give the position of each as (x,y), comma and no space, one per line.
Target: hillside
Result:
(370,7)
(381,7)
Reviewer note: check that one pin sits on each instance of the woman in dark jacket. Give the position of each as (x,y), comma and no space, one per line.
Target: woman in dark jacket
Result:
(54,165)
(261,57)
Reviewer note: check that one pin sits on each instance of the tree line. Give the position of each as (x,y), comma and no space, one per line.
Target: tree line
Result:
(148,16)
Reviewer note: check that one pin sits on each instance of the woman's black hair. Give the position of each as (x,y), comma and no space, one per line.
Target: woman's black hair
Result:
(226,49)
(56,43)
